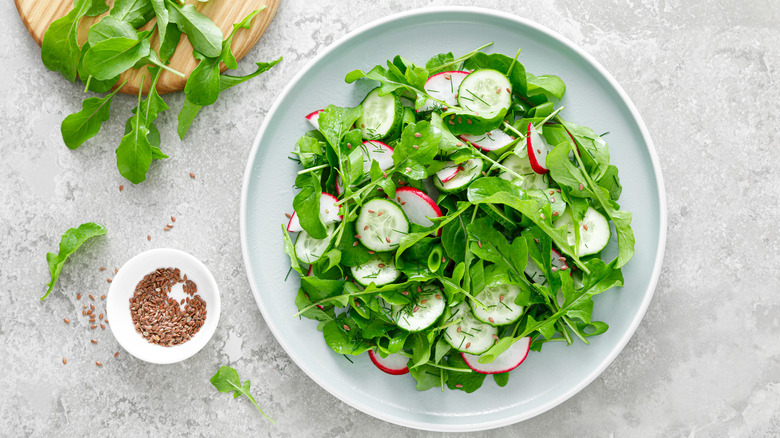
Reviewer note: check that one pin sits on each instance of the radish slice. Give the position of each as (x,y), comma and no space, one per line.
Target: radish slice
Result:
(448,172)
(329,213)
(489,141)
(374,150)
(394,364)
(417,206)
(506,361)
(314,118)
(536,274)
(294,225)
(537,150)
(443,86)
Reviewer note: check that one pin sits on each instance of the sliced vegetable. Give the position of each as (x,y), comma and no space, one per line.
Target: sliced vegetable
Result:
(486,93)
(378,270)
(471,169)
(490,141)
(468,334)
(422,312)
(309,249)
(381,115)
(594,231)
(394,363)
(537,150)
(314,118)
(381,225)
(443,87)
(505,362)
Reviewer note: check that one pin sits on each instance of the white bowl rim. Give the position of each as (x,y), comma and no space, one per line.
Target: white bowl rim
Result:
(125,334)
(659,250)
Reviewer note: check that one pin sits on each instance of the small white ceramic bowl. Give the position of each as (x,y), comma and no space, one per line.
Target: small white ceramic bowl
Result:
(123,286)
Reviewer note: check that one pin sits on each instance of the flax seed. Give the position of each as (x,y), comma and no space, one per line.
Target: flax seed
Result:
(423,301)
(371,252)
(103,297)
(116,354)
(64,361)
(458,385)
(346,327)
(416,308)
(417,134)
(491,319)
(580,187)
(357,236)
(102,268)
(380,213)
(109,280)
(458,329)
(148,237)
(121,187)
(405,292)
(93,327)
(479,243)
(355,243)
(495,336)
(381,265)
(468,344)
(508,90)
(91,297)
(438,297)
(98,363)
(78,296)
(192,175)
(403,202)
(67,321)
(94,341)
(173,219)
(102,327)
(91,307)
(501,298)
(371,211)
(387,239)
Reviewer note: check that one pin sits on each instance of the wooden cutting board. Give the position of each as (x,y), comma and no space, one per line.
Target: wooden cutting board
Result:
(37,15)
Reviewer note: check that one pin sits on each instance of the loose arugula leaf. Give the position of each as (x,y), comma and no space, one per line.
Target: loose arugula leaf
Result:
(205,36)
(186,116)
(59,48)
(170,42)
(161,12)
(85,124)
(110,27)
(91,83)
(227,81)
(202,87)
(110,57)
(226,380)
(69,243)
(227,54)
(98,7)
(135,12)
(134,153)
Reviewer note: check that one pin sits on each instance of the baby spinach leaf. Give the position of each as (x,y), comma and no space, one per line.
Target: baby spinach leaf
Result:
(335,122)
(501,379)
(307,204)
(437,61)
(59,48)
(205,36)
(112,56)
(85,124)
(463,381)
(226,380)
(69,243)
(135,12)
(341,335)
(549,85)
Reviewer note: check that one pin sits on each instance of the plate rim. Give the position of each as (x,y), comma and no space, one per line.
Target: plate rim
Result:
(657,264)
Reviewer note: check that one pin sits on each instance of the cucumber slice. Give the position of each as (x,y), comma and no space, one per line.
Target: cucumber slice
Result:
(499,298)
(381,115)
(378,270)
(594,231)
(422,312)
(381,225)
(309,249)
(469,171)
(470,335)
(522,167)
(485,92)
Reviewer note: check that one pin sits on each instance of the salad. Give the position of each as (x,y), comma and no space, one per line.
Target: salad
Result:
(454,220)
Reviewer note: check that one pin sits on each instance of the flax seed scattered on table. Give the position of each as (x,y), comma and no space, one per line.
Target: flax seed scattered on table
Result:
(148,237)
(64,361)
(121,187)
(192,175)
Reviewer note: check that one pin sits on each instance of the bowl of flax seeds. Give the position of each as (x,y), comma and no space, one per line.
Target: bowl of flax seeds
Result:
(164,305)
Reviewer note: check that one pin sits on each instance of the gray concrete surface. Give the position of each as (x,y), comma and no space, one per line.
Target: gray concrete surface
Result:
(704,361)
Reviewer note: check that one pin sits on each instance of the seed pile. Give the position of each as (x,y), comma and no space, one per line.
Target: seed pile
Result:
(158,317)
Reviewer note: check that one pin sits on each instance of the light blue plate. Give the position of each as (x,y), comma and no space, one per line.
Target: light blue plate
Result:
(593,99)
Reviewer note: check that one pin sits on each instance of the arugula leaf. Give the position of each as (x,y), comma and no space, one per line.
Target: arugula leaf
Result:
(504,64)
(161,12)
(85,124)
(439,60)
(110,27)
(227,81)
(227,54)
(489,244)
(205,36)
(170,42)
(69,243)
(226,380)
(98,7)
(59,48)
(134,153)
(342,336)
(421,349)
(335,122)
(202,87)
(135,12)
(428,377)
(110,57)
(91,83)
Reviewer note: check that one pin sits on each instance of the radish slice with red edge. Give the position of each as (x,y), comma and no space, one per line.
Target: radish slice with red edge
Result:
(489,141)
(314,118)
(448,172)
(417,206)
(444,87)
(329,213)
(394,364)
(537,150)
(506,361)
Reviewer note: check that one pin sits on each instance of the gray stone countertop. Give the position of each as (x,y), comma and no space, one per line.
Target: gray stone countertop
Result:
(704,362)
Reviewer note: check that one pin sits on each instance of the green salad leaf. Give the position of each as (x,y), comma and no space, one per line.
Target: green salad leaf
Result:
(226,380)
(69,243)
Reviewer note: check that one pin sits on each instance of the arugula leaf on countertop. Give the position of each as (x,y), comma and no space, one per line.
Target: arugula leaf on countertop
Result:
(85,124)
(69,243)
(110,57)
(59,48)
(205,36)
(226,380)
